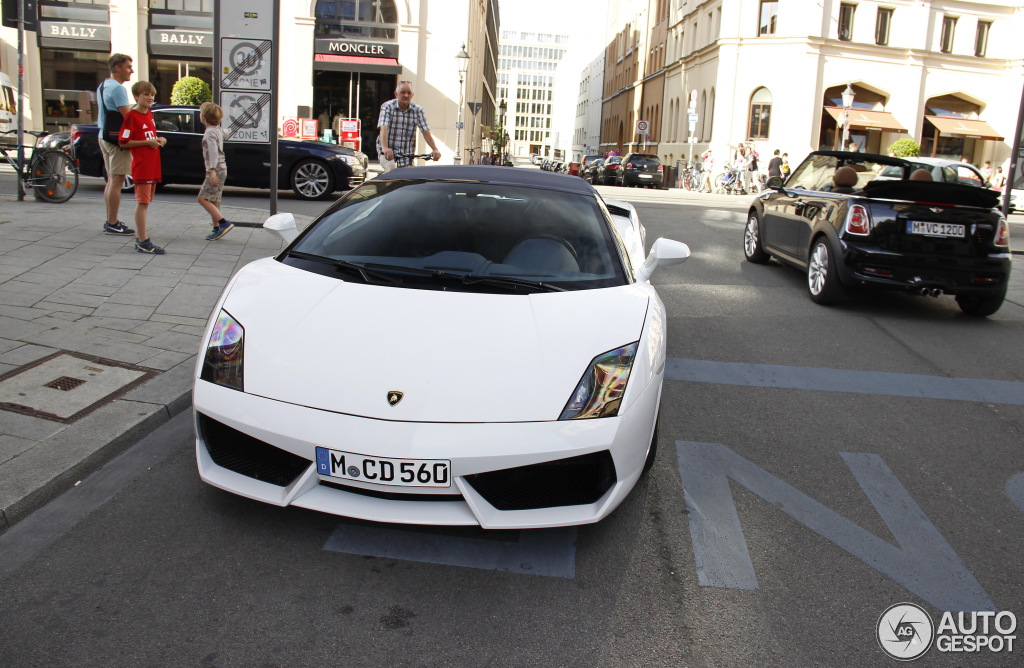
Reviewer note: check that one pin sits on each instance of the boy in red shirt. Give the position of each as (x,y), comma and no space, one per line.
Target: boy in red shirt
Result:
(138,133)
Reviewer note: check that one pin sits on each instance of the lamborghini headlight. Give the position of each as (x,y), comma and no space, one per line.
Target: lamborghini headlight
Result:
(222,364)
(600,391)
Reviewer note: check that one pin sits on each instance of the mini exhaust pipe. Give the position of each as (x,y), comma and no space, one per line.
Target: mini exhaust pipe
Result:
(923,292)
(935,292)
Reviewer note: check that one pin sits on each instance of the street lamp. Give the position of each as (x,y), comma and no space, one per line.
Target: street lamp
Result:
(847,103)
(462,59)
(501,137)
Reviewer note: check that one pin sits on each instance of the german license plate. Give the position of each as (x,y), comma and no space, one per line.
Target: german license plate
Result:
(384,470)
(645,176)
(935,229)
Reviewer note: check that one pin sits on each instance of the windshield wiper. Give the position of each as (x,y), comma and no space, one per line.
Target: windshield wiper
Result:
(470,279)
(366,273)
(501,281)
(383,270)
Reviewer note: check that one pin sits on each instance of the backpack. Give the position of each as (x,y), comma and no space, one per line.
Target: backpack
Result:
(112,120)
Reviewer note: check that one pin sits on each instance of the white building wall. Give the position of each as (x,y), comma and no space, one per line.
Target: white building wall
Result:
(805,57)
(429,35)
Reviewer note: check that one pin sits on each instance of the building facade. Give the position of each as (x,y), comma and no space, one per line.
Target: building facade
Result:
(772,73)
(586,138)
(528,65)
(337,58)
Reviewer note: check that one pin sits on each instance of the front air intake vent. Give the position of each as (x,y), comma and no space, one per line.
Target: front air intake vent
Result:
(241,453)
(574,481)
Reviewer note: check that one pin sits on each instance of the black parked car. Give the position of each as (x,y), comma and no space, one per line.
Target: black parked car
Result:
(586,162)
(608,172)
(312,169)
(589,171)
(846,228)
(641,169)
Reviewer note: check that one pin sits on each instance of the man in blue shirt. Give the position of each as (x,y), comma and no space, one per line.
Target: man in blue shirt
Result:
(398,121)
(112,96)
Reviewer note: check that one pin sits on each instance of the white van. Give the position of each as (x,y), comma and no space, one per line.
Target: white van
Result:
(8,105)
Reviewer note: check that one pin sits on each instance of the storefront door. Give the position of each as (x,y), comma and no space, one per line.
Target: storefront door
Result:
(353,95)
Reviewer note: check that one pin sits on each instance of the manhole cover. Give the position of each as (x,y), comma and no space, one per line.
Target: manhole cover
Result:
(65,386)
(65,383)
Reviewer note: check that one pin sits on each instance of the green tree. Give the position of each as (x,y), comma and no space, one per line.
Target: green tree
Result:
(905,148)
(191,90)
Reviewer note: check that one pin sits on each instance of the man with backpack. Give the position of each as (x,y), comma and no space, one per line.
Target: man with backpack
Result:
(113,105)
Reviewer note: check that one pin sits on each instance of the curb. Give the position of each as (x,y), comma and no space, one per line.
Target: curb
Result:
(65,459)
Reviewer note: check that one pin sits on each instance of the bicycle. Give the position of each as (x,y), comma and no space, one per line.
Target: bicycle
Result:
(50,172)
(692,176)
(416,156)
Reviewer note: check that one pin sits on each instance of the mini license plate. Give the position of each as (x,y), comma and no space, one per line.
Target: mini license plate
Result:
(645,176)
(384,470)
(935,229)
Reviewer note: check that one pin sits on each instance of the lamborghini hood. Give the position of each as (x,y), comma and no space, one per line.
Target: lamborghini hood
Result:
(348,347)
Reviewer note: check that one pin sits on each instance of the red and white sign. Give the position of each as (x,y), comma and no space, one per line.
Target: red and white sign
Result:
(310,129)
(290,127)
(641,127)
(350,133)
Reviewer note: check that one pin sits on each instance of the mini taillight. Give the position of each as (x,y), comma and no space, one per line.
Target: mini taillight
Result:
(1002,233)
(661,168)
(629,165)
(858,221)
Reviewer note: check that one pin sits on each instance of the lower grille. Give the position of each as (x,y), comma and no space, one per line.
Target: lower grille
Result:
(241,453)
(564,482)
(391,496)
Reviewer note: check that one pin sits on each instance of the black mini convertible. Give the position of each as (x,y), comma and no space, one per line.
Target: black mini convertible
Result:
(834,220)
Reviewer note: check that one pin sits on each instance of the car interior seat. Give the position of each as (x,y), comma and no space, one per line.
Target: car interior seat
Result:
(844,180)
(543,255)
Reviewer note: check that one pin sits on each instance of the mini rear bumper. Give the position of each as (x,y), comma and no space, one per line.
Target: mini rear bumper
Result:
(864,264)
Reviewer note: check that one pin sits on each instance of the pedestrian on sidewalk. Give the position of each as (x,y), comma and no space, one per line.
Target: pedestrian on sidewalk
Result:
(775,165)
(211,114)
(397,123)
(117,161)
(139,135)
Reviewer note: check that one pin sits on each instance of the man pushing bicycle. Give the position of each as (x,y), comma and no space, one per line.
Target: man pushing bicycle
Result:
(398,121)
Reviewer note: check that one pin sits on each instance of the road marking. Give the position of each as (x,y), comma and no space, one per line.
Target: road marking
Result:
(1015,490)
(925,564)
(840,380)
(549,552)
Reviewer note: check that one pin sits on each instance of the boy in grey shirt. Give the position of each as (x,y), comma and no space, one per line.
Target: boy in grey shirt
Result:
(216,168)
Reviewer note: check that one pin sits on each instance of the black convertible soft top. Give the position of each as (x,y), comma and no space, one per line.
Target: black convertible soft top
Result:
(933,192)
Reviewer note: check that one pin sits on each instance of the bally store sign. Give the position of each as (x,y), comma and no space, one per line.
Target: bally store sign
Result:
(351,47)
(75,36)
(170,42)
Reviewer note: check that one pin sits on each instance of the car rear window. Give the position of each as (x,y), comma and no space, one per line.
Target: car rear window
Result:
(644,160)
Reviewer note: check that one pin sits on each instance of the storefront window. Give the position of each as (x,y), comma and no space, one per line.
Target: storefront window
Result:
(356,18)
(70,79)
(165,73)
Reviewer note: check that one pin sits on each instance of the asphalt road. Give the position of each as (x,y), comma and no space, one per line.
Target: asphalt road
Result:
(835,461)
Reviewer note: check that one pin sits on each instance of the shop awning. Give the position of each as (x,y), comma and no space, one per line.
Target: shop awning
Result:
(868,120)
(964,127)
(330,61)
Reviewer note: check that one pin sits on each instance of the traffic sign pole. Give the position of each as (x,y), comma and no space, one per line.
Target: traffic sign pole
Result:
(245,64)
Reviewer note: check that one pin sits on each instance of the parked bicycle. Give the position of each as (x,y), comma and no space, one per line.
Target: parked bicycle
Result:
(50,173)
(693,175)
